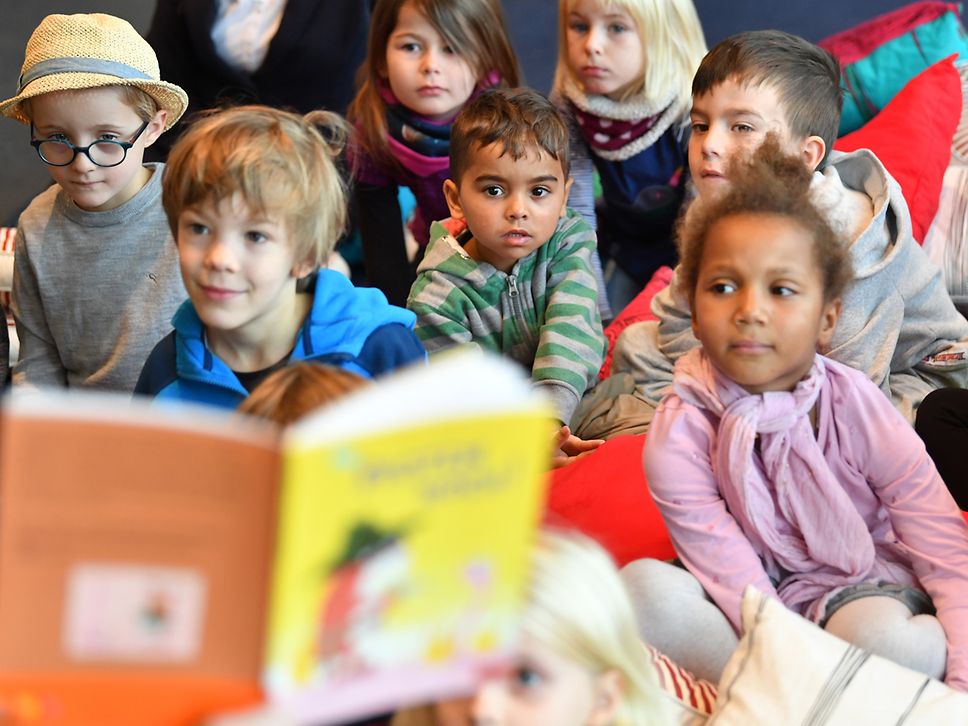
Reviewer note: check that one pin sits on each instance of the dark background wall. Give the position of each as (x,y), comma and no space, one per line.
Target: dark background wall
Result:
(532,24)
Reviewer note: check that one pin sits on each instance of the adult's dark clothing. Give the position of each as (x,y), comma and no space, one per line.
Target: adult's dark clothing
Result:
(310,64)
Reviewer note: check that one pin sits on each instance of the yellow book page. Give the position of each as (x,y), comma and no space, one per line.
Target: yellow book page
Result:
(406,548)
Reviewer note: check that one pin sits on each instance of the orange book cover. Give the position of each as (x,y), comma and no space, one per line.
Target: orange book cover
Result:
(135,545)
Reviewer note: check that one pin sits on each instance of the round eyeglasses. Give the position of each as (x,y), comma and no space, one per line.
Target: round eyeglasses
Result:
(101,153)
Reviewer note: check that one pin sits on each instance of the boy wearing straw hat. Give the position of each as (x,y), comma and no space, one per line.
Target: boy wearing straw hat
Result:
(96,277)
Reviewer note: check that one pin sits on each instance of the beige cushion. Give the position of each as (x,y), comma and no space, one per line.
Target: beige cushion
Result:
(786,670)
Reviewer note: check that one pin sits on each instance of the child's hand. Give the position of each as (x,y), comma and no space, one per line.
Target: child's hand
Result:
(569,447)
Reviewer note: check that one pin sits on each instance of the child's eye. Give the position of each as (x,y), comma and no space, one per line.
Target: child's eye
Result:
(698,127)
(57,137)
(578,27)
(527,678)
(410,47)
(493,191)
(617,28)
(722,288)
(256,236)
(448,50)
(540,192)
(743,128)
(783,291)
(108,137)
(196,228)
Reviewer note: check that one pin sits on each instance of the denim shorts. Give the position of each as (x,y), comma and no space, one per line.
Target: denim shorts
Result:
(917,601)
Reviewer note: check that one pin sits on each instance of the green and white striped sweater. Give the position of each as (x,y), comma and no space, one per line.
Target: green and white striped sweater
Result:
(543,314)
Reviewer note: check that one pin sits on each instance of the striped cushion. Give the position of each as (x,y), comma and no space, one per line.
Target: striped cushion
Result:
(959,144)
(7,237)
(946,242)
(687,688)
(786,670)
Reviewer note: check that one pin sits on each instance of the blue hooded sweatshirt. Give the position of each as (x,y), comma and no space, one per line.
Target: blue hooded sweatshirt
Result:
(349,327)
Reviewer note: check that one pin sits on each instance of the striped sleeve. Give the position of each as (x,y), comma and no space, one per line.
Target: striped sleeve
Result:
(442,310)
(572,344)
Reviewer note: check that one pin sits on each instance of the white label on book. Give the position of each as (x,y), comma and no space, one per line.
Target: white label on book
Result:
(132,613)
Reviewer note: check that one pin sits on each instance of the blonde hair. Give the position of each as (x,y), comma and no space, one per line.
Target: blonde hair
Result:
(673,46)
(280,163)
(579,608)
(475,29)
(292,392)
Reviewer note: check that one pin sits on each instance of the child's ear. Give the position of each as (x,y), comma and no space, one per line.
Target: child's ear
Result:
(812,150)
(828,324)
(301,269)
(155,127)
(564,202)
(609,689)
(452,195)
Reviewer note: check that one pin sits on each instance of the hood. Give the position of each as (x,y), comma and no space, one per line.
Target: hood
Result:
(340,320)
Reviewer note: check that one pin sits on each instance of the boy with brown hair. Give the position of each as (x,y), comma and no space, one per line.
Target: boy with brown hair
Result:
(898,324)
(511,271)
(95,275)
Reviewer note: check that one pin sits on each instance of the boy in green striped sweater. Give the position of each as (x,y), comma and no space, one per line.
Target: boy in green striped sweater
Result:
(511,270)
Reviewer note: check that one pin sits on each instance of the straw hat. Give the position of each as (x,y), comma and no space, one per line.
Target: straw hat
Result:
(70,52)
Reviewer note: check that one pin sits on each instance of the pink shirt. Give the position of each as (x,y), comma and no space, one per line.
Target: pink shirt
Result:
(874,454)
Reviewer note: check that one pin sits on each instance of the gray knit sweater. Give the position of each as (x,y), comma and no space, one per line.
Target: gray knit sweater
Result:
(93,291)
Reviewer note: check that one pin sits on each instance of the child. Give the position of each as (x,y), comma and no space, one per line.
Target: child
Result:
(624,70)
(898,325)
(511,271)
(95,276)
(579,660)
(425,59)
(256,203)
(778,467)
(299,389)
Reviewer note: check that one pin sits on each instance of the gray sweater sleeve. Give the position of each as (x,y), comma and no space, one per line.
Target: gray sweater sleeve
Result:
(39,363)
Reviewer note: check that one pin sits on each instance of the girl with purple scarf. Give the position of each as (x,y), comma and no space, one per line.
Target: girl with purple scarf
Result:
(425,60)
(778,467)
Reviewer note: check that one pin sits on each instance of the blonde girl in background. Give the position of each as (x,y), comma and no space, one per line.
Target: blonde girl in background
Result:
(624,79)
(425,59)
(579,661)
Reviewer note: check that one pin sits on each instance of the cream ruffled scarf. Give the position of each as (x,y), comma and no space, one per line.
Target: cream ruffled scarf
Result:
(618,130)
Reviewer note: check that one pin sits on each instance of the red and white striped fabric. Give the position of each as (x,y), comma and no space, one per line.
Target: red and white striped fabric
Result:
(959,144)
(7,237)
(694,692)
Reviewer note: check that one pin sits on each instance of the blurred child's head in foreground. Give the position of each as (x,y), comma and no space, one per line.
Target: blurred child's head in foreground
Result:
(579,662)
(299,389)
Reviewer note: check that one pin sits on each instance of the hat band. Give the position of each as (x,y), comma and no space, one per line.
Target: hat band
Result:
(79,65)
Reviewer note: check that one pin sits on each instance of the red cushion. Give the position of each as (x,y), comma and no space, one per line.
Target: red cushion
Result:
(639,309)
(605,496)
(912,137)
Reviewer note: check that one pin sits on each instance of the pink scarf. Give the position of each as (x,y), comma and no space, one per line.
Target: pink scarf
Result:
(817,540)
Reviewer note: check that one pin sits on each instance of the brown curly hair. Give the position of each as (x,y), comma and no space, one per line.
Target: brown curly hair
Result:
(770,183)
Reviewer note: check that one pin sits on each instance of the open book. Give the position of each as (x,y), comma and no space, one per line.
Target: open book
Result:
(373,555)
